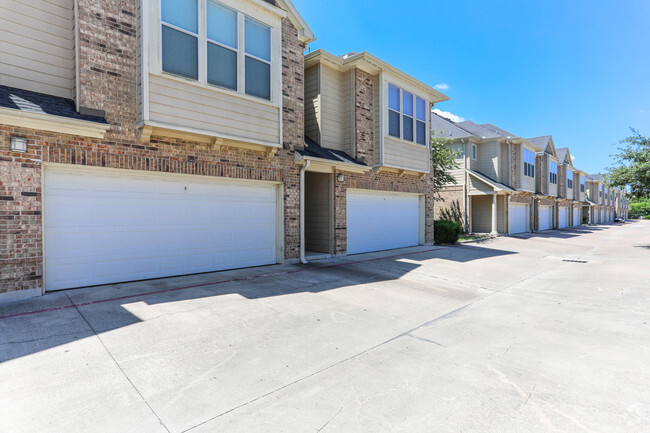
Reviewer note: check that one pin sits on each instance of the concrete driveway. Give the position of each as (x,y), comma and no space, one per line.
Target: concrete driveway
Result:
(541,333)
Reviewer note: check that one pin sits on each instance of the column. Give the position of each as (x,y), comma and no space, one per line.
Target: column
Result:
(494,214)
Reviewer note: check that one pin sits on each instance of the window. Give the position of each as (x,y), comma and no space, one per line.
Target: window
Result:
(582,184)
(569,183)
(474,151)
(237,57)
(553,172)
(529,163)
(600,192)
(407,115)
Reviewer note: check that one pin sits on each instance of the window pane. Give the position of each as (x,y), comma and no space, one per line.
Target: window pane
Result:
(407,123)
(181,13)
(421,109)
(393,98)
(258,39)
(258,78)
(222,24)
(421,132)
(407,103)
(222,66)
(393,123)
(179,53)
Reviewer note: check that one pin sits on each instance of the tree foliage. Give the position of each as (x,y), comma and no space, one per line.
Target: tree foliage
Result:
(639,208)
(443,160)
(632,166)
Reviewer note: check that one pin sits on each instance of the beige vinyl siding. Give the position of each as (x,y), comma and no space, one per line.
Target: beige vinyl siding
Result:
(482,214)
(37,46)
(504,164)
(406,156)
(317,212)
(552,189)
(183,104)
(569,191)
(502,204)
(477,185)
(376,119)
(458,173)
(487,157)
(312,104)
(527,183)
(334,109)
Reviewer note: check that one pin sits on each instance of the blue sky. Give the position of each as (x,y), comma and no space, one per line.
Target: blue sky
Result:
(575,69)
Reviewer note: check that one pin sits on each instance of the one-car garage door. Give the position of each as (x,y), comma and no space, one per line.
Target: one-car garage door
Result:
(563,220)
(106,226)
(381,221)
(577,219)
(545,217)
(518,218)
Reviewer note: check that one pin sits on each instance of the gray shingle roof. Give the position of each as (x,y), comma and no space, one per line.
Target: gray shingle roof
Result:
(314,150)
(33,102)
(596,177)
(448,128)
(561,153)
(499,131)
(540,141)
(477,130)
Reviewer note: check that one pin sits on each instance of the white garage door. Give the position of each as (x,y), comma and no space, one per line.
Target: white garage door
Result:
(106,226)
(577,217)
(380,221)
(563,213)
(545,217)
(518,218)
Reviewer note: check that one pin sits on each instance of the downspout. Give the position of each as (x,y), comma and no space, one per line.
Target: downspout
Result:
(303,260)
(465,187)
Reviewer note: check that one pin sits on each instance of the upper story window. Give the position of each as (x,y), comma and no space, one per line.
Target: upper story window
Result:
(529,163)
(236,48)
(474,152)
(553,172)
(600,192)
(407,115)
(569,182)
(582,184)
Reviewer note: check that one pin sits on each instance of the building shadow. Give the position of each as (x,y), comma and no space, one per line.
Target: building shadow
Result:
(59,318)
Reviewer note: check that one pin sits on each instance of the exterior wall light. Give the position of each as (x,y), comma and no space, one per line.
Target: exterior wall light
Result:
(340,177)
(18,144)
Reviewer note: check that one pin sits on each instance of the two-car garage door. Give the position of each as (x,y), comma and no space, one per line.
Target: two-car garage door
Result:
(106,226)
(382,221)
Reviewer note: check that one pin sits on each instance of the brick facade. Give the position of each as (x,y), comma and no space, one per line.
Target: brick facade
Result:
(108,82)
(363,118)
(378,181)
(450,204)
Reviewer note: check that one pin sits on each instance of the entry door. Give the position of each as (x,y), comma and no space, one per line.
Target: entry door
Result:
(563,217)
(518,218)
(381,221)
(107,226)
(577,220)
(545,217)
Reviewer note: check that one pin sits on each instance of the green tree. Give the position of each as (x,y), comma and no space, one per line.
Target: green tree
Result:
(632,167)
(443,160)
(639,208)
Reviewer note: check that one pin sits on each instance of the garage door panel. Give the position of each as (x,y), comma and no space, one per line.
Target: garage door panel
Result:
(378,221)
(545,217)
(518,218)
(149,226)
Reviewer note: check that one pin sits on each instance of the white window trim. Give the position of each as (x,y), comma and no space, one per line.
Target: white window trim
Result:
(266,17)
(474,152)
(523,163)
(386,108)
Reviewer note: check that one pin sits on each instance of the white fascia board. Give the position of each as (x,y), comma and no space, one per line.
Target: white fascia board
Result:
(52,123)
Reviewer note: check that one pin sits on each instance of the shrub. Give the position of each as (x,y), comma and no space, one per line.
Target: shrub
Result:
(647,217)
(585,220)
(446,232)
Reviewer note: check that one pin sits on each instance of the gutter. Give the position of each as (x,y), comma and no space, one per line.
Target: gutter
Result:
(303,260)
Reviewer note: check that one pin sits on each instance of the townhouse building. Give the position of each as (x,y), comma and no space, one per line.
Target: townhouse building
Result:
(367,157)
(569,211)
(150,138)
(144,139)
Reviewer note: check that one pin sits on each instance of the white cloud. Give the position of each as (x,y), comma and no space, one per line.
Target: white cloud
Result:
(442,86)
(573,158)
(448,115)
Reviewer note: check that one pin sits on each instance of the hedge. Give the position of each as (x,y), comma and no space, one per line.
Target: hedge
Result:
(446,232)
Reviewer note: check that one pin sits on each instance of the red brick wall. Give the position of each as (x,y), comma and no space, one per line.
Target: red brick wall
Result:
(384,181)
(108,82)
(363,116)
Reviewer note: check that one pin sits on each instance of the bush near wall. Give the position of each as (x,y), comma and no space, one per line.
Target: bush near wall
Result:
(446,232)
